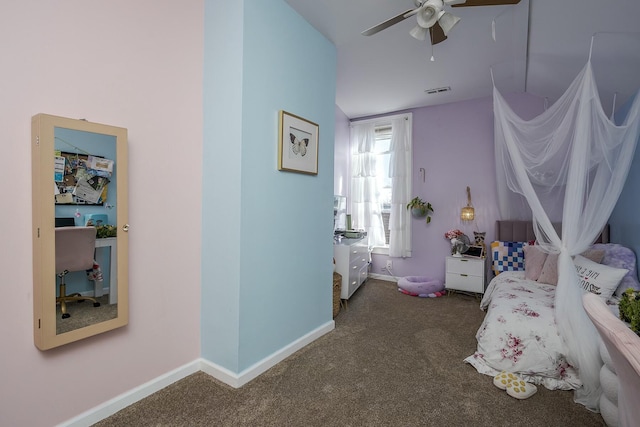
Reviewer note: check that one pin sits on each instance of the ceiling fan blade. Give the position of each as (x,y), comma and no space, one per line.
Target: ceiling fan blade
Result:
(437,34)
(485,3)
(386,24)
(412,12)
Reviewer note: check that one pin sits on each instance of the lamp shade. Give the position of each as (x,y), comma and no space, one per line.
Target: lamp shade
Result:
(468,213)
(447,22)
(419,33)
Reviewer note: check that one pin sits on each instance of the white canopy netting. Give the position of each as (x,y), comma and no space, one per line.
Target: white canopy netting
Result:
(569,164)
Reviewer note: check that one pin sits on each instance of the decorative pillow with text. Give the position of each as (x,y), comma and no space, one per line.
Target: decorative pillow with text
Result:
(598,279)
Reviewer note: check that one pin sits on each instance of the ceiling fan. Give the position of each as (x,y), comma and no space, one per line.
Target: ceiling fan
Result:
(433,18)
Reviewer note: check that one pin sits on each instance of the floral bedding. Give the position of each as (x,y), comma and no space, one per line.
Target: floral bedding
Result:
(519,333)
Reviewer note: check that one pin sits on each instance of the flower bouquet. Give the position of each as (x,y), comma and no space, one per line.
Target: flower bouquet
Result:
(453,233)
(457,238)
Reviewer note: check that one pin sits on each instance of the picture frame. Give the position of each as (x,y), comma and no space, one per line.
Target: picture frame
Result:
(297,144)
(475,252)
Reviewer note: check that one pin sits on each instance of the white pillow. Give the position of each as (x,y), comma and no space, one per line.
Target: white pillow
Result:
(598,279)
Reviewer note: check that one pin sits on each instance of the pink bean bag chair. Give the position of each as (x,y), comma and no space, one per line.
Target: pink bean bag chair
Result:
(420,286)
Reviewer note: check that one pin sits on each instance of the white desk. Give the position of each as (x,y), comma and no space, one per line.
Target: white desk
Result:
(110,242)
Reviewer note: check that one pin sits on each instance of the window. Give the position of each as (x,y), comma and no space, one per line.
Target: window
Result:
(382,150)
(381,182)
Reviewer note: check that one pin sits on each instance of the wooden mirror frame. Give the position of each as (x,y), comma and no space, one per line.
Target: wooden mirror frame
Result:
(44,277)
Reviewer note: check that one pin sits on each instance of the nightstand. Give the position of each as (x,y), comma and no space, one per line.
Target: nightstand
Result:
(465,274)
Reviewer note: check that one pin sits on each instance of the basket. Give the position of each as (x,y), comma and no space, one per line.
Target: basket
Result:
(337,285)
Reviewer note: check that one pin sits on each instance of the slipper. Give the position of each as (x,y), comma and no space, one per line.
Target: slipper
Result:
(503,379)
(521,389)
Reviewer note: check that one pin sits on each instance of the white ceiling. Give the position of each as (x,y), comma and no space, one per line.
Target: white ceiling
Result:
(541,45)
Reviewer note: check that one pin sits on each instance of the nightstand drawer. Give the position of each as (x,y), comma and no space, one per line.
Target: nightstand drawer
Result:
(465,266)
(463,282)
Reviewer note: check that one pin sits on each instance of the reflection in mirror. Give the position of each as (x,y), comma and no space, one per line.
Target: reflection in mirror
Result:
(80,238)
(85,184)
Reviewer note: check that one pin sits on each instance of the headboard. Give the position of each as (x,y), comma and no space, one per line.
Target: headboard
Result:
(522,231)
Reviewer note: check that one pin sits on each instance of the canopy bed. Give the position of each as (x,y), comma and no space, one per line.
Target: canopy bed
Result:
(568,166)
(519,333)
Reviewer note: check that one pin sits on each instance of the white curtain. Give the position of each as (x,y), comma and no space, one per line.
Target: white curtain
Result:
(569,164)
(365,207)
(400,173)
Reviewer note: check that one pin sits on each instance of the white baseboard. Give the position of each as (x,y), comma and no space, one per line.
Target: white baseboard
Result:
(383,277)
(120,402)
(222,374)
(238,380)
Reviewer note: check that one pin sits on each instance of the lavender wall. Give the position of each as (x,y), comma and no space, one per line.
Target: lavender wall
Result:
(454,144)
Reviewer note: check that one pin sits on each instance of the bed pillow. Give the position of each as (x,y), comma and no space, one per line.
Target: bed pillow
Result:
(616,255)
(534,259)
(507,256)
(549,273)
(598,279)
(595,255)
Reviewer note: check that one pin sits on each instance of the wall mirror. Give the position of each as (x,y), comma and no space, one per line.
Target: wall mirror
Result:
(80,229)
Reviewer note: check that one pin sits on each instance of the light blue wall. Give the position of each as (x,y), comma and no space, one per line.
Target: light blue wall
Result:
(624,221)
(222,94)
(267,235)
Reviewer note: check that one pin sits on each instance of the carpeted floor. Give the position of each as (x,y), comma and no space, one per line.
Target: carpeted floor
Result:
(84,314)
(393,360)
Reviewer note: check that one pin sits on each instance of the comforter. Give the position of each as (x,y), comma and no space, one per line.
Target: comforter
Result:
(519,333)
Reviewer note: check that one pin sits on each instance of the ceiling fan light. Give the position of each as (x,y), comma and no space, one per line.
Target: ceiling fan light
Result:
(419,33)
(428,15)
(447,21)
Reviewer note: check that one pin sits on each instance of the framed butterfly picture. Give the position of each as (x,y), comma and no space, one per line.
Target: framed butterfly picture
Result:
(297,144)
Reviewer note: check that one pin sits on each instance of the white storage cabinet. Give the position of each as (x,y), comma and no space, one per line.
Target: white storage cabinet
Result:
(352,262)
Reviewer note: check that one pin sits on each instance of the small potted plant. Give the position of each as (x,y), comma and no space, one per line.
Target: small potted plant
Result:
(419,208)
(104,231)
(630,309)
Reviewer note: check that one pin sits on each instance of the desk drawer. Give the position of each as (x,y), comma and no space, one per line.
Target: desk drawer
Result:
(358,253)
